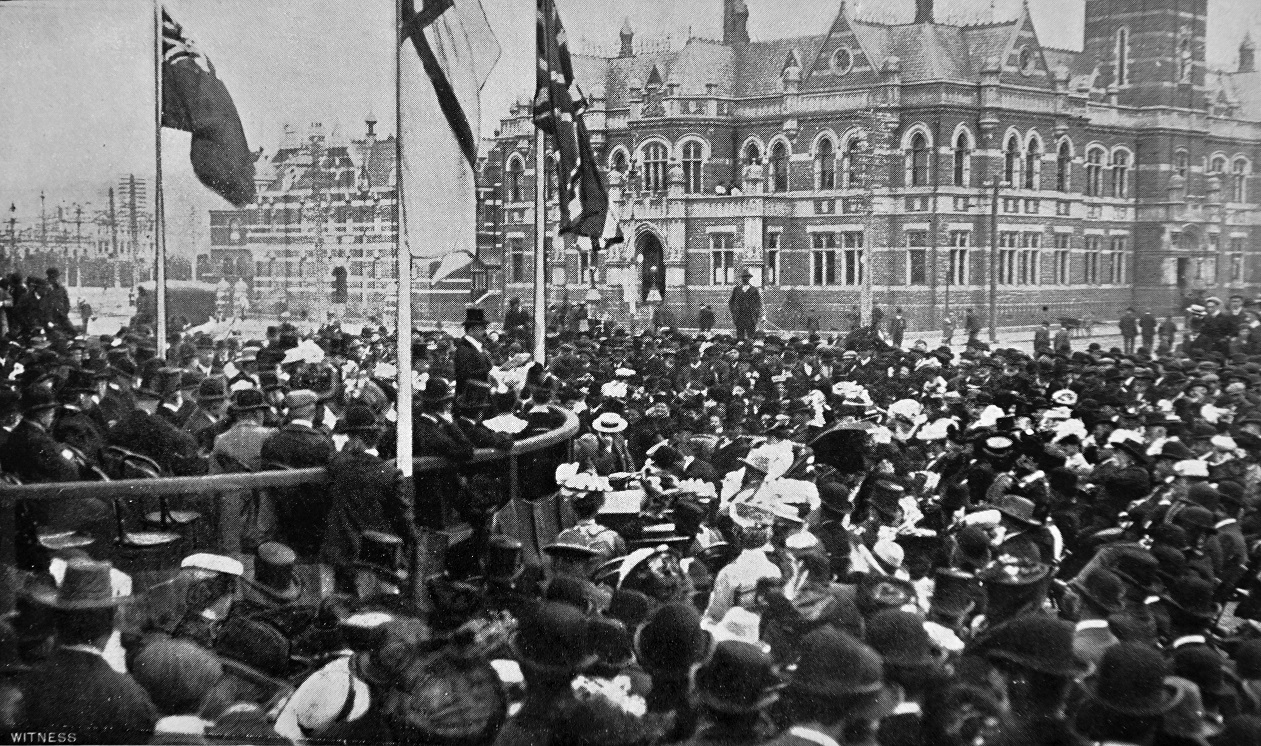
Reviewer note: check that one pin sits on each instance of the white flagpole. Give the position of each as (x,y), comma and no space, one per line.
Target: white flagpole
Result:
(403,449)
(540,251)
(159,218)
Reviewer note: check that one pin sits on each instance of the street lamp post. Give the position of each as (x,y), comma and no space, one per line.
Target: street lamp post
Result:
(994,185)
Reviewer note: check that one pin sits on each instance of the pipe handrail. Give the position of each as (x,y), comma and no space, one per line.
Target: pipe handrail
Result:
(265,479)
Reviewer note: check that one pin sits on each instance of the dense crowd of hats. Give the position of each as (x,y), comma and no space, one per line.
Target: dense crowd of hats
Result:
(784,539)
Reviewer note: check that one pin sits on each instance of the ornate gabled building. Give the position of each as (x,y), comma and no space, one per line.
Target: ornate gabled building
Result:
(924,165)
(326,216)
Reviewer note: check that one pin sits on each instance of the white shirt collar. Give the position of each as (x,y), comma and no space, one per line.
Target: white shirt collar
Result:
(1092,624)
(810,734)
(305,423)
(1189,640)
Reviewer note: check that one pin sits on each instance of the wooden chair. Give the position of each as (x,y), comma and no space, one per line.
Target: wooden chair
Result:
(187,523)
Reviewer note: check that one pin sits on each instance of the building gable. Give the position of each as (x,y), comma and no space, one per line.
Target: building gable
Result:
(842,61)
(1023,60)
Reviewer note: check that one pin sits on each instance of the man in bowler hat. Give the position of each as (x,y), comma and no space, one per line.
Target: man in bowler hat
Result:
(746,306)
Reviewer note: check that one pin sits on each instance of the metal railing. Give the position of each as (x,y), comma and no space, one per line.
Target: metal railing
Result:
(535,453)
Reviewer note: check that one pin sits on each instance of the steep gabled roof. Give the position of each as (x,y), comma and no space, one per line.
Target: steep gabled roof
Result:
(758,65)
(1241,88)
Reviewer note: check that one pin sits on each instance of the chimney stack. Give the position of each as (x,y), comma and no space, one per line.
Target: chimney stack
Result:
(628,40)
(735,22)
(1247,54)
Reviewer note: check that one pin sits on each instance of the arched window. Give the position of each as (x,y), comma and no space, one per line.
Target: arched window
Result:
(779,167)
(917,161)
(825,164)
(1239,180)
(1217,165)
(1122,56)
(1094,172)
(692,160)
(752,154)
(1011,161)
(1033,163)
(655,157)
(1120,173)
(962,160)
(516,179)
(852,162)
(620,163)
(1181,163)
(1063,167)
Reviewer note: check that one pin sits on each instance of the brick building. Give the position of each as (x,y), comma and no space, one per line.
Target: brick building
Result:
(1125,172)
(327,207)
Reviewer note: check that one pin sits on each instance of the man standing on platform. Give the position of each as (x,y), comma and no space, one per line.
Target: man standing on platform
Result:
(897,328)
(1129,330)
(1147,327)
(471,361)
(746,307)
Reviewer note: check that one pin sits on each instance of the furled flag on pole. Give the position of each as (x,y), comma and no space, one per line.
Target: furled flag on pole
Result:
(196,101)
(448,52)
(558,109)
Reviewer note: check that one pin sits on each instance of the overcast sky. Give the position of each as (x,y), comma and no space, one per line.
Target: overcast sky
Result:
(76,75)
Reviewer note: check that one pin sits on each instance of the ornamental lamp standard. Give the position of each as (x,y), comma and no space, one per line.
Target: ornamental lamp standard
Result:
(994,185)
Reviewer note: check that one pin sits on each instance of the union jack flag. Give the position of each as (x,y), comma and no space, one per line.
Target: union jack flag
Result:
(558,109)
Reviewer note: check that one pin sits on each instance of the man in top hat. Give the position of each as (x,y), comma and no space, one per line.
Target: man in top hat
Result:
(745,305)
(365,494)
(55,302)
(239,450)
(207,421)
(298,444)
(31,451)
(75,689)
(471,361)
(143,431)
(434,430)
(74,425)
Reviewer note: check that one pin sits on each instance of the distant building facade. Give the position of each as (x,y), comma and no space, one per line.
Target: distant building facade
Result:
(1126,172)
(327,209)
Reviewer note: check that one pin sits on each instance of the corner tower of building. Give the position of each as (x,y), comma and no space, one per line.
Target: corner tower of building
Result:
(1152,53)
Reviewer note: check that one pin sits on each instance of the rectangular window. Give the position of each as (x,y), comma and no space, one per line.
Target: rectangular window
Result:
(1032,206)
(853,243)
(1236,244)
(1063,207)
(917,266)
(917,257)
(1092,260)
(1118,260)
(1007,266)
(1236,267)
(958,269)
(770,246)
(1011,205)
(1059,267)
(516,260)
(584,265)
(962,204)
(824,206)
(823,259)
(1214,241)
(722,259)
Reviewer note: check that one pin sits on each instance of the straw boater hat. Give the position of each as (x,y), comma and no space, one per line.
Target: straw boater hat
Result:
(86,585)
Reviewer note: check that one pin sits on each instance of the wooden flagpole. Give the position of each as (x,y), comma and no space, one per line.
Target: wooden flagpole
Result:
(540,250)
(403,250)
(159,217)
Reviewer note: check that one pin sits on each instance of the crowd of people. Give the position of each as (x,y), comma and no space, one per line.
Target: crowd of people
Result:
(798,540)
